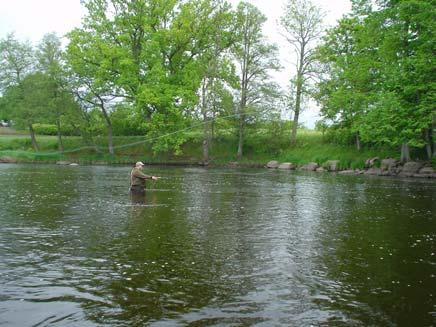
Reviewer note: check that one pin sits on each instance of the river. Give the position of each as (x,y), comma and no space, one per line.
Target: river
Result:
(214,247)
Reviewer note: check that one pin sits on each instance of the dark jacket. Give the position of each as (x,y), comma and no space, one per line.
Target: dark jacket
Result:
(137,178)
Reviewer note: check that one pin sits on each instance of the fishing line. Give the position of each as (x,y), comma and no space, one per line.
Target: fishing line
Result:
(103,148)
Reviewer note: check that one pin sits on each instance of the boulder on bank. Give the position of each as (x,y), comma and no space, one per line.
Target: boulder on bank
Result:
(347,172)
(100,162)
(373,171)
(7,159)
(273,164)
(388,164)
(321,169)
(233,164)
(311,166)
(61,162)
(371,162)
(411,167)
(332,165)
(287,166)
(427,171)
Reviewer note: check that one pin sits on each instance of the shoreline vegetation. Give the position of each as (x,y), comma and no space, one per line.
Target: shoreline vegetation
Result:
(191,82)
(313,152)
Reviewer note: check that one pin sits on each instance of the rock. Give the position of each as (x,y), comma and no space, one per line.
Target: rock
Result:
(422,175)
(332,165)
(373,171)
(272,164)
(371,162)
(347,172)
(321,169)
(427,170)
(388,164)
(411,167)
(74,164)
(233,164)
(7,159)
(405,174)
(63,162)
(99,162)
(311,166)
(287,165)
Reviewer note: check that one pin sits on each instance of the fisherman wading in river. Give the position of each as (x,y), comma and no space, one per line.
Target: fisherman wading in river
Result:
(137,179)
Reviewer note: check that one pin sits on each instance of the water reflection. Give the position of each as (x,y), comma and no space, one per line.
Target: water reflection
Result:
(214,247)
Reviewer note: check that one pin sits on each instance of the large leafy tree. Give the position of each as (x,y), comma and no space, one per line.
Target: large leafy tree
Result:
(256,59)
(404,102)
(147,53)
(351,70)
(27,102)
(381,79)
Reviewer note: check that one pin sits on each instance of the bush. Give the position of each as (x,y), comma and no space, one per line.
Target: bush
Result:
(50,129)
(45,129)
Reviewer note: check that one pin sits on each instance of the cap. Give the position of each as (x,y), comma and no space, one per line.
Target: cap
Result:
(139,163)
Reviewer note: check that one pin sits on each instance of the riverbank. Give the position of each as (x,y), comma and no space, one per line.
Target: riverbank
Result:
(311,153)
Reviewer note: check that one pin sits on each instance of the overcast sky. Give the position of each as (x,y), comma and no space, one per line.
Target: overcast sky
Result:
(31,19)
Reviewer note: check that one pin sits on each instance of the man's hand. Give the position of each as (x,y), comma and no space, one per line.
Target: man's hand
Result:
(155,178)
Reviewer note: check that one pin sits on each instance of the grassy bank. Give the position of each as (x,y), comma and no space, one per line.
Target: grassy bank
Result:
(311,147)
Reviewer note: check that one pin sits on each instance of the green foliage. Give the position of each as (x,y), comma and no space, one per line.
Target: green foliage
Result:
(126,121)
(51,129)
(381,82)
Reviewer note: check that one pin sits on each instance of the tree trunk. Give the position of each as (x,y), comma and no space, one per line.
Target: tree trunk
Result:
(241,124)
(109,129)
(429,142)
(405,153)
(33,138)
(110,139)
(241,139)
(358,145)
(206,131)
(298,94)
(60,144)
(433,135)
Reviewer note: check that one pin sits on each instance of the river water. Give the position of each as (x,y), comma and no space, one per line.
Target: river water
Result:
(214,247)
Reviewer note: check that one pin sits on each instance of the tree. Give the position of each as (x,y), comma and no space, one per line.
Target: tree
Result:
(218,70)
(380,83)
(16,61)
(302,22)
(256,58)
(350,73)
(49,55)
(27,102)
(147,53)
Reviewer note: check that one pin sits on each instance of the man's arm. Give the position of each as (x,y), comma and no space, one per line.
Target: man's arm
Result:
(140,174)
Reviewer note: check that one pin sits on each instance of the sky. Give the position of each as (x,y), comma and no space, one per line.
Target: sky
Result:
(31,19)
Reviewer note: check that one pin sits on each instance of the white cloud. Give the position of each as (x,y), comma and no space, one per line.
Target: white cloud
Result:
(31,19)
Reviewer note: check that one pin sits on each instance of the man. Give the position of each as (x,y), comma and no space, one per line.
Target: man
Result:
(137,179)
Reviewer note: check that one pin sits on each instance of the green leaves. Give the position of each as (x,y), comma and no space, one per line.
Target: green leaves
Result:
(381,76)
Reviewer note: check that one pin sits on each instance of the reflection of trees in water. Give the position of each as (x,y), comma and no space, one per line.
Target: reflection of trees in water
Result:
(213,241)
(370,260)
(39,193)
